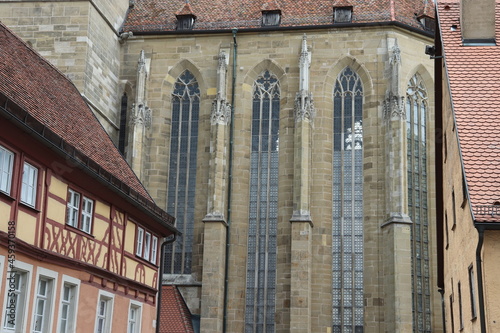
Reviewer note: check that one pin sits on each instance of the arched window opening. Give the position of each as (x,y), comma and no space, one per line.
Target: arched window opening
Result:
(262,226)
(416,120)
(182,171)
(347,224)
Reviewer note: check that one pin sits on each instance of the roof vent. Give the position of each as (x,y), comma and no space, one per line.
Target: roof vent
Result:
(271,14)
(271,18)
(185,17)
(342,14)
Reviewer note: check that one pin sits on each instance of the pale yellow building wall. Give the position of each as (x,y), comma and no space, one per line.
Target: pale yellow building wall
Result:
(459,234)
(491,274)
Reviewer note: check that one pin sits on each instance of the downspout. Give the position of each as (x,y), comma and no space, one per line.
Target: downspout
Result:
(165,242)
(480,230)
(229,185)
(441,291)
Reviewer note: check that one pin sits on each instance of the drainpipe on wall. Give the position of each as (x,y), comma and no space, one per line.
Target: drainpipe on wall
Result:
(166,241)
(480,288)
(230,178)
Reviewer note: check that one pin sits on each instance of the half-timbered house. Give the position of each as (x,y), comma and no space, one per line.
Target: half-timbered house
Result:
(80,237)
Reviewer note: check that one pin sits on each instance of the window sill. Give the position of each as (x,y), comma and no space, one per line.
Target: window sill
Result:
(78,231)
(25,205)
(6,196)
(142,260)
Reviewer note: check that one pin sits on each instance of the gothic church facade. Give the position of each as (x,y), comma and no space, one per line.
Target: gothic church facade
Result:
(292,140)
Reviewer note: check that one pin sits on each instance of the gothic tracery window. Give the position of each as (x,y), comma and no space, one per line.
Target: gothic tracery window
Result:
(347,224)
(261,266)
(182,171)
(416,119)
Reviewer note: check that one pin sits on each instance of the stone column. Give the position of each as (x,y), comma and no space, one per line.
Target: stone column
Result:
(140,120)
(301,237)
(396,230)
(215,224)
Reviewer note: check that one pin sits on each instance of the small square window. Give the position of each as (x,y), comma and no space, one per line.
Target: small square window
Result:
(271,18)
(342,15)
(185,22)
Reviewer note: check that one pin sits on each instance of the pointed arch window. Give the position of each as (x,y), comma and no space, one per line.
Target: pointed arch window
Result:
(262,226)
(182,171)
(347,224)
(416,120)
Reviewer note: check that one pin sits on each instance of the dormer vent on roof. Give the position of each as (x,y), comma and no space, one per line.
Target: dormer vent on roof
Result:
(342,14)
(185,17)
(427,17)
(271,14)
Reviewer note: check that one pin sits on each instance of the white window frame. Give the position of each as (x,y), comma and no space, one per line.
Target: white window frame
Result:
(147,246)
(134,324)
(50,277)
(72,305)
(106,315)
(73,208)
(87,213)
(6,169)
(80,211)
(139,242)
(29,184)
(154,250)
(25,270)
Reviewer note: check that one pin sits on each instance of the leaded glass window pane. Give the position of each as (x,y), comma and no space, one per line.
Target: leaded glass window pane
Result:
(262,226)
(347,224)
(182,171)
(416,115)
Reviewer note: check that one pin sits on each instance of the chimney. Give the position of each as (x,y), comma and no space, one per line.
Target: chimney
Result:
(477,19)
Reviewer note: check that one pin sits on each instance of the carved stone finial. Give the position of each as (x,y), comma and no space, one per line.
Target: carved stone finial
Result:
(221,111)
(394,106)
(395,58)
(304,107)
(141,115)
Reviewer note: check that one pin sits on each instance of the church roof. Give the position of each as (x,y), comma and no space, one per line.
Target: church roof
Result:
(47,102)
(160,15)
(474,81)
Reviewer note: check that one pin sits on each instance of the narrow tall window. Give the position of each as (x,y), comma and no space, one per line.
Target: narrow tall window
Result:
(139,243)
(347,224)
(29,184)
(154,249)
(460,311)
(43,311)
(182,171)
(14,313)
(73,207)
(103,315)
(261,263)
(67,315)
(416,121)
(87,210)
(122,136)
(147,246)
(452,317)
(134,315)
(472,289)
(6,162)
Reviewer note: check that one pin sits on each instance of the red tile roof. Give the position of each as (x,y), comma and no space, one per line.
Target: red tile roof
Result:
(185,10)
(159,15)
(38,88)
(174,314)
(474,80)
